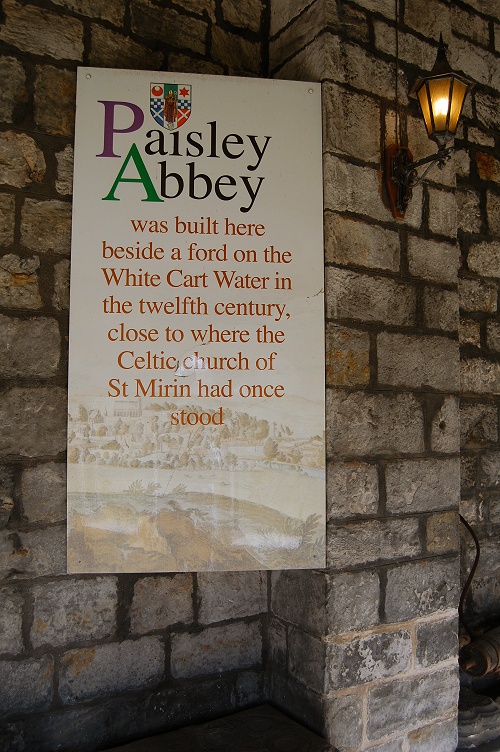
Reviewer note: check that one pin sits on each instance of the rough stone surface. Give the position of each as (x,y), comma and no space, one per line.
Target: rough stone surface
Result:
(216,649)
(363,424)
(352,188)
(352,490)
(42,32)
(108,10)
(64,180)
(110,49)
(159,602)
(6,219)
(306,659)
(231,595)
(445,427)
(41,553)
(239,55)
(360,297)
(442,213)
(34,420)
(11,621)
(344,720)
(440,737)
(440,309)
(55,92)
(60,298)
(46,226)
(418,362)
(244,13)
(468,210)
(26,685)
(43,490)
(13,87)
(470,25)
(480,376)
(152,21)
(420,588)
(19,282)
(484,259)
(21,160)
(366,659)
(359,137)
(31,347)
(299,597)
(65,612)
(353,601)
(347,356)
(442,533)
(432,260)
(477,296)
(490,469)
(469,332)
(283,11)
(89,673)
(493,335)
(422,485)
(351,243)
(478,424)
(372,542)
(437,641)
(493,212)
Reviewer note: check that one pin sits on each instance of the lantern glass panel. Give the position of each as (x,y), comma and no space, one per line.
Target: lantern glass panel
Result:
(424,106)
(458,96)
(439,92)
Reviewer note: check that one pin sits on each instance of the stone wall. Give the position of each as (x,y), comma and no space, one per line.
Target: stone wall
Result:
(364,651)
(86,662)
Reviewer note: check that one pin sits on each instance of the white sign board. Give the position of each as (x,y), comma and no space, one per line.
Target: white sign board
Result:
(196,385)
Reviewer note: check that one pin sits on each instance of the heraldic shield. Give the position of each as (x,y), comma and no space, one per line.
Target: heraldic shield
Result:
(170,104)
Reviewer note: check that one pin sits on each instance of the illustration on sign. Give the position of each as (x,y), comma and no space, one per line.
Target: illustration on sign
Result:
(196,385)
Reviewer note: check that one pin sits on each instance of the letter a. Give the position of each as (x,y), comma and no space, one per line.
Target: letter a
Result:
(143,177)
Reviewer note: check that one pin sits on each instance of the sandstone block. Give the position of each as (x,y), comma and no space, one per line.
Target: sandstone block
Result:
(476,296)
(352,243)
(468,210)
(7,219)
(442,213)
(412,49)
(484,259)
(441,309)
(13,88)
(344,720)
(46,226)
(437,641)
(176,29)
(26,685)
(60,298)
(238,54)
(278,644)
(420,588)
(478,136)
(191,64)
(108,10)
(200,7)
(347,356)
(372,542)
(113,50)
(360,297)
(469,332)
(55,92)
(358,137)
(216,649)
(31,347)
(19,282)
(41,553)
(428,20)
(418,361)
(434,261)
(231,595)
(468,475)
(352,188)
(64,180)
(488,167)
(480,376)
(493,212)
(246,13)
(442,534)
(21,161)
(489,467)
(352,490)
(34,420)
(353,601)
(487,110)
(445,427)
(11,621)
(479,424)
(306,659)
(299,597)
(440,737)
(75,610)
(368,658)
(470,25)
(43,490)
(283,11)
(422,485)
(42,32)
(361,424)
(493,335)
(160,602)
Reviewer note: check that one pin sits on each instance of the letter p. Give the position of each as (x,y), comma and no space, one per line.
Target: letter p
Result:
(109,124)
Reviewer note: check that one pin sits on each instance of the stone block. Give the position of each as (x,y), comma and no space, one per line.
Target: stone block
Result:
(470,25)
(422,485)
(442,212)
(420,588)
(420,698)
(43,492)
(445,427)
(361,424)
(369,658)
(440,309)
(493,212)
(360,297)
(371,542)
(429,20)
(200,8)
(191,64)
(411,49)
(159,602)
(418,361)
(432,260)
(476,296)
(306,659)
(21,160)
(475,62)
(297,700)
(34,420)
(75,610)
(484,259)
(480,376)
(352,243)
(41,32)
(493,335)
(31,347)
(358,137)
(436,641)
(469,210)
(395,745)
(353,601)
(231,595)
(344,720)
(278,644)
(89,673)
(283,11)
(174,29)
(216,649)
(55,92)
(109,49)
(60,298)
(108,10)
(19,282)
(440,737)
(487,110)
(469,332)
(489,469)
(347,356)
(6,495)
(468,472)
(240,55)
(13,87)
(318,60)
(442,533)
(7,218)
(11,621)
(478,136)
(488,167)
(352,188)
(41,553)
(64,180)
(296,35)
(46,226)
(26,685)
(352,490)
(479,424)
(299,597)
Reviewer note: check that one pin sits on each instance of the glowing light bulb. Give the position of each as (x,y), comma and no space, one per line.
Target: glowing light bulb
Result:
(441,107)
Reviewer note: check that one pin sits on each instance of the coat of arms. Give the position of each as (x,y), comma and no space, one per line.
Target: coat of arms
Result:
(170,104)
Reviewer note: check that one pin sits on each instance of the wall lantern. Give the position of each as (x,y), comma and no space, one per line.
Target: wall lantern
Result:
(441,96)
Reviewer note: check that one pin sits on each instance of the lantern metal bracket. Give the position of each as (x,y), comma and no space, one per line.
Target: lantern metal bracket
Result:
(401,174)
